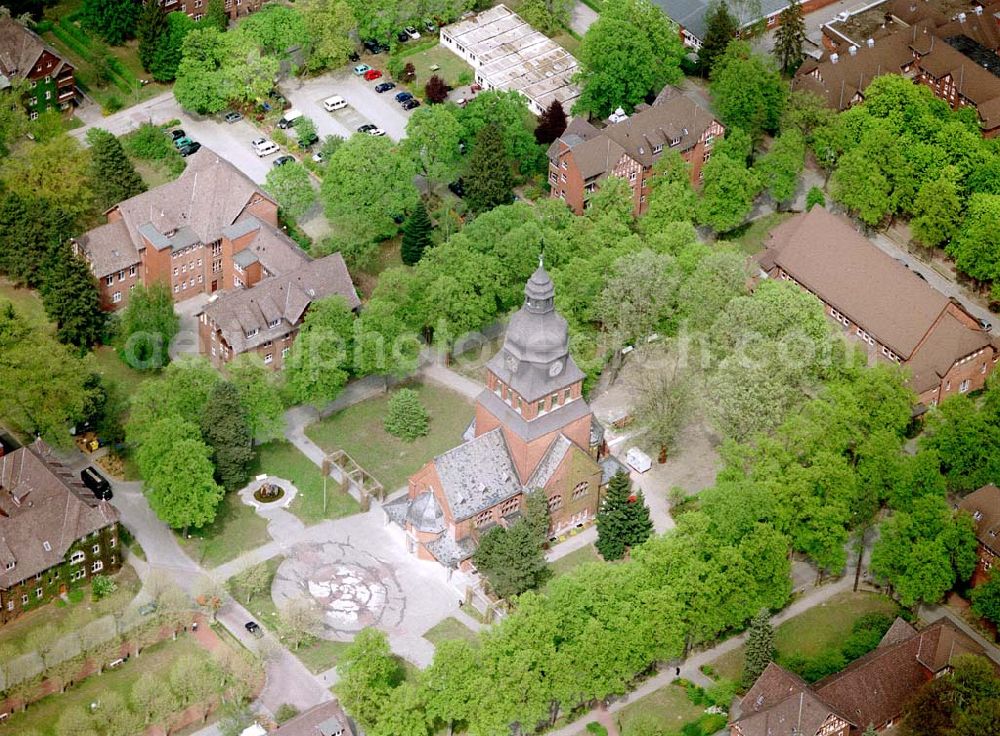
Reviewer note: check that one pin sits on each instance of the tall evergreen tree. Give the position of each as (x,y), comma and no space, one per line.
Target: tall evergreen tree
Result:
(416,235)
(789,37)
(151,29)
(113,177)
(216,15)
(512,559)
(759,649)
(551,123)
(622,521)
(489,182)
(72,301)
(33,230)
(720,28)
(225,429)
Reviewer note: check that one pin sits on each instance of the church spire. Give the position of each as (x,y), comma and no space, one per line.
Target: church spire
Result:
(539,292)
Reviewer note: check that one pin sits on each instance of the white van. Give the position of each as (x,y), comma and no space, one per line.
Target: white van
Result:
(263,147)
(334,103)
(289,118)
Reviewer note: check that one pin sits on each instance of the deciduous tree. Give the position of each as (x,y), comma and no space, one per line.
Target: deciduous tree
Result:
(551,123)
(317,367)
(937,209)
(436,91)
(749,92)
(330,23)
(182,490)
(434,141)
(292,187)
(259,395)
(368,673)
(147,326)
(779,169)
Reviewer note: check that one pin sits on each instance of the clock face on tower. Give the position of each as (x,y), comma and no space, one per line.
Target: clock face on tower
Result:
(556,368)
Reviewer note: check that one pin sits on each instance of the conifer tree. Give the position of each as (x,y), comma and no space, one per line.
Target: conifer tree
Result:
(72,301)
(113,177)
(622,521)
(150,29)
(407,417)
(225,429)
(416,235)
(789,36)
(551,123)
(489,182)
(759,649)
(721,27)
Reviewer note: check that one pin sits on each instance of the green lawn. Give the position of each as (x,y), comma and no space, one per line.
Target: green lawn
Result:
(669,706)
(27,303)
(283,459)
(567,41)
(450,67)
(449,630)
(574,559)
(358,430)
(41,717)
(319,656)
(750,238)
(822,627)
(237,529)
(154,173)
(66,617)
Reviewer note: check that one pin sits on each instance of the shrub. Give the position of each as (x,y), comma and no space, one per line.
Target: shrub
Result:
(102,586)
(815,196)
(465,78)
(112,104)
(409,73)
(712,723)
(149,143)
(596,728)
(692,729)
(721,694)
(285,712)
(407,417)
(816,668)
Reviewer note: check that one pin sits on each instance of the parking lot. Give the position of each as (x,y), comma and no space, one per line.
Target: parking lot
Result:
(365,105)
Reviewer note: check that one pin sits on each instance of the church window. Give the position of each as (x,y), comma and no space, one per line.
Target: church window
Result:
(566,395)
(554,400)
(484,518)
(581,490)
(541,406)
(510,505)
(555,503)
(517,403)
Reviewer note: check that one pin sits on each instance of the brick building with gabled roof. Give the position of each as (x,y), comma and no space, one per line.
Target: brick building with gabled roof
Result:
(898,316)
(585,155)
(532,430)
(870,691)
(53,531)
(23,55)
(211,229)
(984,507)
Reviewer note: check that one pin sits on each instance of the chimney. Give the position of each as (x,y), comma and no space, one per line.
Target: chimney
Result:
(871,43)
(961,17)
(979,10)
(853,50)
(834,58)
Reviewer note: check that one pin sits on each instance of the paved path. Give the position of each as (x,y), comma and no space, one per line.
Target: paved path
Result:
(450,379)
(583,17)
(690,668)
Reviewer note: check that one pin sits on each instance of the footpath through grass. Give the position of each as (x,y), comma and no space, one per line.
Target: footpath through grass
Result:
(358,430)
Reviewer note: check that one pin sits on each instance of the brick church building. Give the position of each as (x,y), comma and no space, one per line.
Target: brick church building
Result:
(532,430)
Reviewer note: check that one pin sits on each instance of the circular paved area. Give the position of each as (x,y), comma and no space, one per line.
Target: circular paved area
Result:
(353,588)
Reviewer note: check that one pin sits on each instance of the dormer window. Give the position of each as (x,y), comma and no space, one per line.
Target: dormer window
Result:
(273,323)
(10,565)
(675,141)
(251,333)
(658,148)
(977,514)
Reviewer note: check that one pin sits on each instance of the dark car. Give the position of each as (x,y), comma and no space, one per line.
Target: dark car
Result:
(175,134)
(96,482)
(403,97)
(308,140)
(372,47)
(354,56)
(190,148)
(410,104)
(366,127)
(457,188)
(282,160)
(385,87)
(254,628)
(402,37)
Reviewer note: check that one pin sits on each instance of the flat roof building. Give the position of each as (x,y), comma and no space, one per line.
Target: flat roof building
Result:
(508,54)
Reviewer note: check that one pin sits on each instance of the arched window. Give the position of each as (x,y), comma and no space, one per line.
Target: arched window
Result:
(581,490)
(555,503)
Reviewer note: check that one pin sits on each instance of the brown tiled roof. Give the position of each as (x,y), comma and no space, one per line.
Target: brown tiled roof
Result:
(275,251)
(207,197)
(984,505)
(283,299)
(774,685)
(899,631)
(43,510)
(672,116)
(108,248)
(327,719)
(19,48)
(780,703)
(949,339)
(829,257)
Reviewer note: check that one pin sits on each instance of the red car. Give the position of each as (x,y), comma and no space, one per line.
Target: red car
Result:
(372,74)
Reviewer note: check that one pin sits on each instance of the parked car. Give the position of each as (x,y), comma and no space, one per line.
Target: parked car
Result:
(254,628)
(384,87)
(376,132)
(192,147)
(263,147)
(457,188)
(233,117)
(985,324)
(372,74)
(403,97)
(182,141)
(360,69)
(366,127)
(308,140)
(96,482)
(374,47)
(354,56)
(282,160)
(412,32)
(410,104)
(178,133)
(288,119)
(336,102)
(402,37)
(430,27)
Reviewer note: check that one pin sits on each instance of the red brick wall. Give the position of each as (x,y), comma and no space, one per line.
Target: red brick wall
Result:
(121,282)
